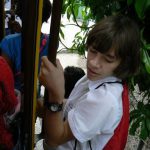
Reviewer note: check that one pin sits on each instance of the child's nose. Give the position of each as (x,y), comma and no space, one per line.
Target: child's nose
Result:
(97,61)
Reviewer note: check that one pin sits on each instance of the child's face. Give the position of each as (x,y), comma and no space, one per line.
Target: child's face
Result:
(101,65)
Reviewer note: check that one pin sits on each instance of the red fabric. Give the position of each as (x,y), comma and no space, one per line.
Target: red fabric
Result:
(119,139)
(8,102)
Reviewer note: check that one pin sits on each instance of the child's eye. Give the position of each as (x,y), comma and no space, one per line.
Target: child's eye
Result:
(109,61)
(109,58)
(92,50)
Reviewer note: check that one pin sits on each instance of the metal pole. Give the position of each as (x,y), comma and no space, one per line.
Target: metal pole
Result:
(54,30)
(53,38)
(31,29)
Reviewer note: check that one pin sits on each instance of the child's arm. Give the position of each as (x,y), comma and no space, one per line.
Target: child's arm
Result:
(40,108)
(57,131)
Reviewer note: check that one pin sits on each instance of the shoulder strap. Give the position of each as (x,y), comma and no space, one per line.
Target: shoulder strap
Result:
(119,139)
(108,83)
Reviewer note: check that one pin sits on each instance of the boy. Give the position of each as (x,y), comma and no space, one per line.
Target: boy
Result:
(94,107)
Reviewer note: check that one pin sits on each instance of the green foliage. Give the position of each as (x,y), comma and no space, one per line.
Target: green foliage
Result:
(76,10)
(146,60)
(99,8)
(140,121)
(140,7)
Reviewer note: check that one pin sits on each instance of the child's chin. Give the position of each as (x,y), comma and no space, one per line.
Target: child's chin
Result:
(91,78)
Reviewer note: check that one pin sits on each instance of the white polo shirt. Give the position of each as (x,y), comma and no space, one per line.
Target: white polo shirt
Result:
(93,114)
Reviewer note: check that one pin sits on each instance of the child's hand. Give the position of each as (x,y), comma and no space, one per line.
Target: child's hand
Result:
(52,77)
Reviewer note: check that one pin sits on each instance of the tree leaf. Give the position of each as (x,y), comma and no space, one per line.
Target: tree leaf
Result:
(146,60)
(68,12)
(148,124)
(61,33)
(140,7)
(76,10)
(144,132)
(147,46)
(134,114)
(134,126)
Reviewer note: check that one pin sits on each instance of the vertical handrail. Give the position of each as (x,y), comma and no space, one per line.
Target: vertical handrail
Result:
(54,30)
(31,29)
(54,37)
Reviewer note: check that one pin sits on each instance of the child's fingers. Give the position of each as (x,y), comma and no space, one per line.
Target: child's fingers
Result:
(59,66)
(46,63)
(44,67)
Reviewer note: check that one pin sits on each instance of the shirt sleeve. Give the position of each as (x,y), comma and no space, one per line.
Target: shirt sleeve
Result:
(11,47)
(96,114)
(6,47)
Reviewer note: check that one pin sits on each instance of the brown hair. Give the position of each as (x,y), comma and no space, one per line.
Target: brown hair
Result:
(122,34)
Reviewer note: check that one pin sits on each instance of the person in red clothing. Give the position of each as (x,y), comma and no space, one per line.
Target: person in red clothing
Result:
(8,103)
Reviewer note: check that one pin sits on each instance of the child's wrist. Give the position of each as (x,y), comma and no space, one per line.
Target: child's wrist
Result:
(55,98)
